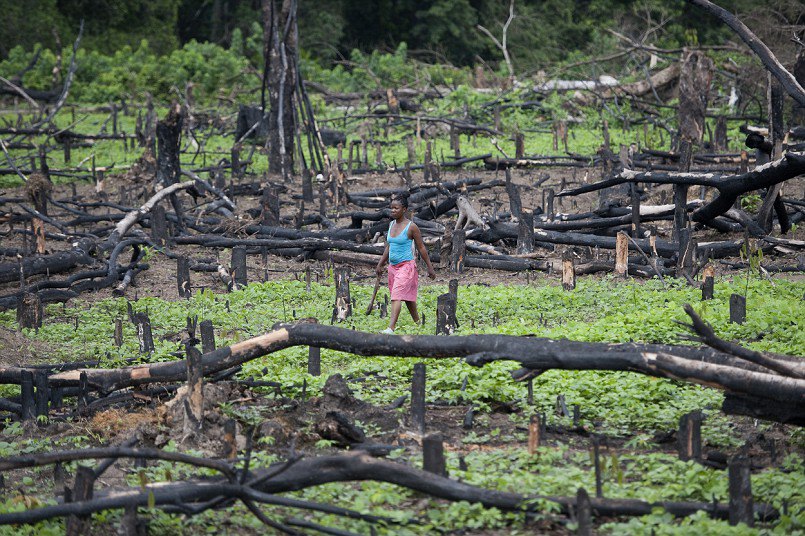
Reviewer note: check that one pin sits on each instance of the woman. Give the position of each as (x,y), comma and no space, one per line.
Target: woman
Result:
(403,235)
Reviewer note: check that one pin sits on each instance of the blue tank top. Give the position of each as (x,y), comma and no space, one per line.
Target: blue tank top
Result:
(401,248)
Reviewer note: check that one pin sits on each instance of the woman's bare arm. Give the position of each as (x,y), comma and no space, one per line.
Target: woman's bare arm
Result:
(383,260)
(416,235)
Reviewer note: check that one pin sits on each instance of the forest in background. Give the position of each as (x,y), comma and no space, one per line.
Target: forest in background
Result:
(142,46)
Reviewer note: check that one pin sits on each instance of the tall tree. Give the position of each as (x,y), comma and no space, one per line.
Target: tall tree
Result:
(280,50)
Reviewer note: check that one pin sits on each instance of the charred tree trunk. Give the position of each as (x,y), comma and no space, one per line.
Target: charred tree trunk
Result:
(280,43)
(694,89)
(169,137)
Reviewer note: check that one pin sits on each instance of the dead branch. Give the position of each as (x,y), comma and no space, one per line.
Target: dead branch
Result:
(763,52)
(20,92)
(709,337)
(354,467)
(531,352)
(789,166)
(134,216)
(68,81)
(61,456)
(501,44)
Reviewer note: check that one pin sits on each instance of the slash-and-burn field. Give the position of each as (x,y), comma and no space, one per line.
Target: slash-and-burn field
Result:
(346,437)
(192,327)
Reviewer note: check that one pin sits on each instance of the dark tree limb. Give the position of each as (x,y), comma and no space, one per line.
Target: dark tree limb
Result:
(767,57)
(355,467)
(708,336)
(135,215)
(732,374)
(54,263)
(48,458)
(68,81)
(791,165)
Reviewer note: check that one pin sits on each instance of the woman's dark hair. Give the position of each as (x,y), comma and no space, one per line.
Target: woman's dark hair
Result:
(401,199)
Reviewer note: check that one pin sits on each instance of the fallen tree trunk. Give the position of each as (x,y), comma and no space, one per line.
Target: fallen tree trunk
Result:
(733,374)
(729,188)
(778,364)
(55,263)
(284,477)
(499,231)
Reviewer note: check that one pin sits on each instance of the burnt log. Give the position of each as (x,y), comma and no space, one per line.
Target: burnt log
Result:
(791,165)
(298,474)
(63,261)
(704,366)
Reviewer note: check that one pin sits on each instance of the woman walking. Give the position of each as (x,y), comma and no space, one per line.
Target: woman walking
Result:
(401,239)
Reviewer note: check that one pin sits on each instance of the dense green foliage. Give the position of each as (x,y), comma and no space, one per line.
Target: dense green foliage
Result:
(542,31)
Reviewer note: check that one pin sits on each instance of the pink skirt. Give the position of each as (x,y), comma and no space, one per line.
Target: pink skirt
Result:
(403,281)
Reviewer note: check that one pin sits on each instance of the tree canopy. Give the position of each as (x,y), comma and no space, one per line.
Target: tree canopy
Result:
(542,31)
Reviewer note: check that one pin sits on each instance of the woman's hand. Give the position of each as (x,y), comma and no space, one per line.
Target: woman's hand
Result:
(379,269)
(431,273)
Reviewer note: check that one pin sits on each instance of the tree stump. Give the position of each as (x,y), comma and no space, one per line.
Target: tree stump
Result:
(29,311)
(513,192)
(159,226)
(584,513)
(418,398)
(194,402)
(343,303)
(183,277)
(445,314)
(525,233)
(687,251)
(534,429)
(314,361)
(239,273)
(82,491)
(207,336)
(433,455)
(622,254)
(741,509)
(737,309)
(270,203)
(458,251)
(519,145)
(143,326)
(568,270)
(42,393)
(27,400)
(689,438)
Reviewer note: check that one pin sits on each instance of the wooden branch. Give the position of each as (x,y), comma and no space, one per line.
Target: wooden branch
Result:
(266,483)
(68,81)
(768,386)
(55,263)
(531,352)
(134,216)
(794,369)
(791,165)
(502,44)
(20,92)
(11,162)
(763,52)
(48,458)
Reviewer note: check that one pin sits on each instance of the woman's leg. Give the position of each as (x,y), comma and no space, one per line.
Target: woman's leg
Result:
(396,306)
(412,309)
